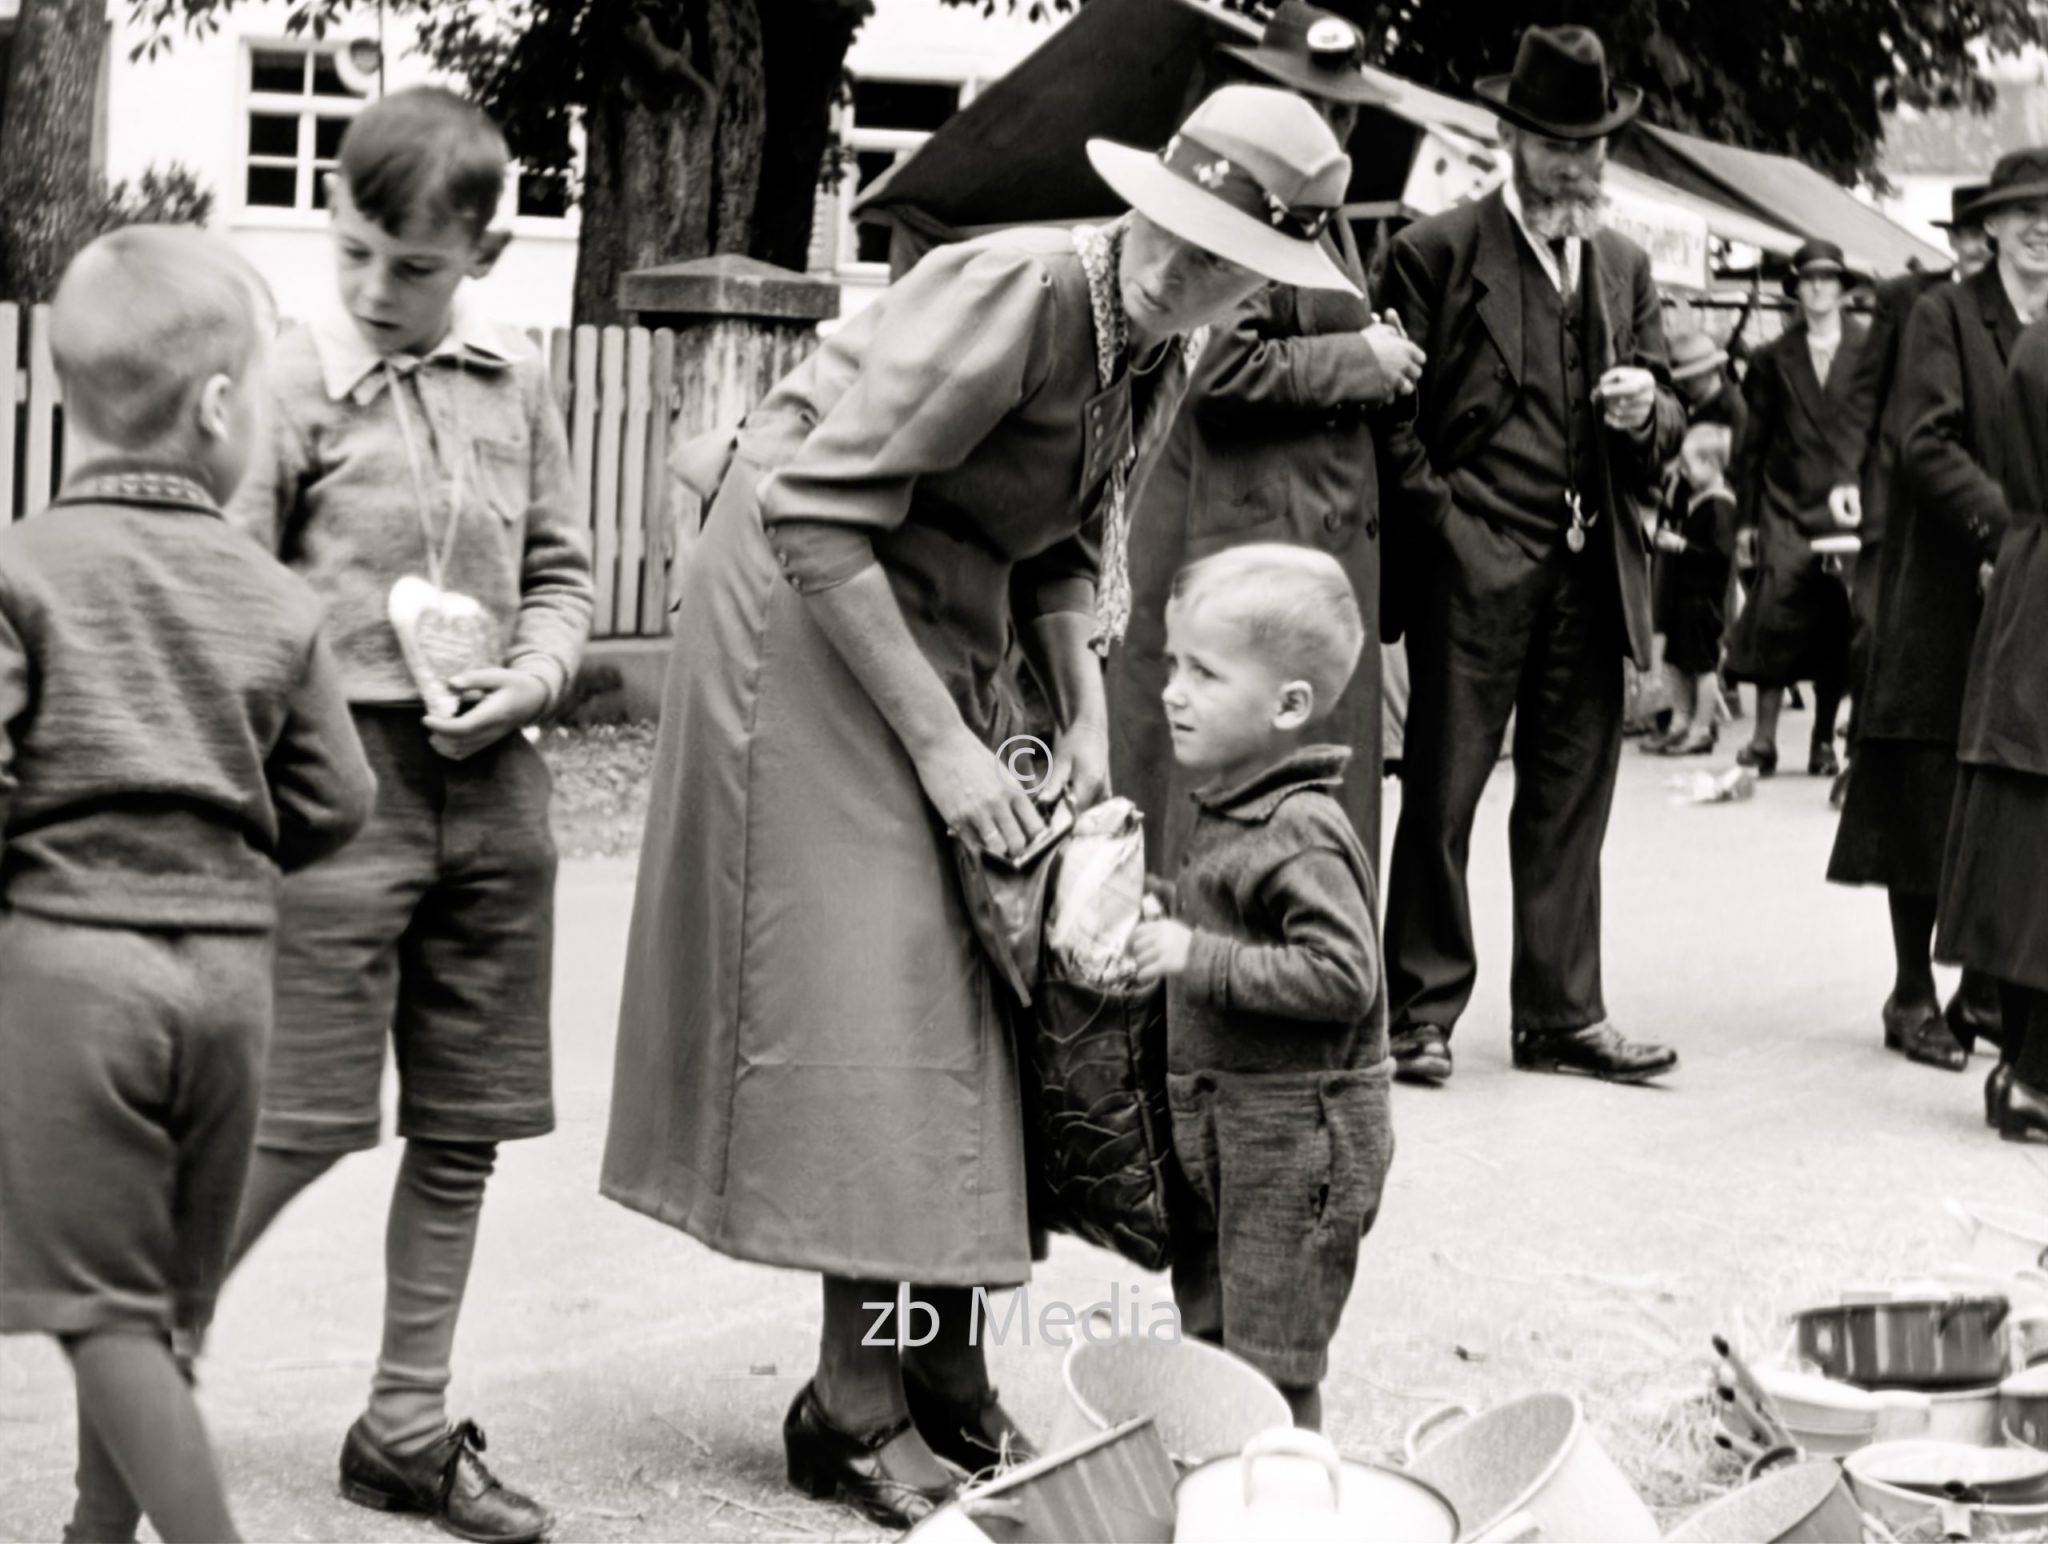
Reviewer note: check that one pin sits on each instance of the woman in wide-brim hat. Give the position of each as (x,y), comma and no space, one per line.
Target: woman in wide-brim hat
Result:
(813,1070)
(1821,260)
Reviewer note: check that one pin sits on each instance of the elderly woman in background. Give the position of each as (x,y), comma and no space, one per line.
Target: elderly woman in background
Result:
(812,1069)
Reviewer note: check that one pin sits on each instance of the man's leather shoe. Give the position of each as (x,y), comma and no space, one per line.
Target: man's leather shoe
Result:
(976,1434)
(447,1483)
(2025,1115)
(1421,1054)
(1997,1091)
(1599,1051)
(828,1464)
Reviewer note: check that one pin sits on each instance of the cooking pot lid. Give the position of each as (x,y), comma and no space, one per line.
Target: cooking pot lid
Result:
(1928,1466)
(2033,1381)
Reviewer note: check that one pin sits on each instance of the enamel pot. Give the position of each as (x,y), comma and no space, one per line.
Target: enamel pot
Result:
(1289,1486)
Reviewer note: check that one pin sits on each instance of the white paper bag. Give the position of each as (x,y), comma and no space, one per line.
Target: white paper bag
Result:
(1097,897)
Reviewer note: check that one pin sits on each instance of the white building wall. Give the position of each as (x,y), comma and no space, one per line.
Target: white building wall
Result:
(191,105)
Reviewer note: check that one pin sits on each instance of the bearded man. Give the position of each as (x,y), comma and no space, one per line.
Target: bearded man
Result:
(1516,502)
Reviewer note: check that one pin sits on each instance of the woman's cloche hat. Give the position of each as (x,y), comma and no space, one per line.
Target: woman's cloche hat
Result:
(1254,175)
(2018,178)
(1820,259)
(1314,51)
(1560,87)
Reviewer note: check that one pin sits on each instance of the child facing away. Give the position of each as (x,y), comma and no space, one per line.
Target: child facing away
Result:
(1694,542)
(1278,1071)
(420,480)
(173,733)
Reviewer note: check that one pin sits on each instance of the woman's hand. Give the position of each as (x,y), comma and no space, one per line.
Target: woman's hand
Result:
(977,796)
(1080,766)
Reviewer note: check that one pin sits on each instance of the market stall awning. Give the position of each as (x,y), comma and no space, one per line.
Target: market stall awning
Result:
(1123,69)
(1783,191)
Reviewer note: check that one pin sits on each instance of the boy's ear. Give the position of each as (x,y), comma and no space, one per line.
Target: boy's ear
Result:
(1297,706)
(214,419)
(490,246)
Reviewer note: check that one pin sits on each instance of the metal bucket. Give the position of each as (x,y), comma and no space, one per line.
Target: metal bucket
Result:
(1804,1502)
(1205,1402)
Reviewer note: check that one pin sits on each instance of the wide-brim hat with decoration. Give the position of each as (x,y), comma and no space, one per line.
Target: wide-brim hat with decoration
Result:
(1962,207)
(1560,87)
(1821,259)
(1315,51)
(1694,354)
(1254,175)
(2018,178)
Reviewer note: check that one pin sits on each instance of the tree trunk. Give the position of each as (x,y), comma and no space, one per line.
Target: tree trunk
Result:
(806,44)
(672,158)
(48,188)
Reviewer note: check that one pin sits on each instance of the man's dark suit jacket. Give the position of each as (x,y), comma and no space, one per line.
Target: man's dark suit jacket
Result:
(1456,281)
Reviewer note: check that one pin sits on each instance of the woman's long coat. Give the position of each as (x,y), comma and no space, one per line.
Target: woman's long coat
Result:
(812,1070)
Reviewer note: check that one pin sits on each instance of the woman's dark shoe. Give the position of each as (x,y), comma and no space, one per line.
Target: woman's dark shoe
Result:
(2025,1115)
(447,1483)
(1820,760)
(1764,758)
(976,1434)
(1695,742)
(1932,1044)
(1997,1092)
(828,1464)
(1903,1020)
(1970,1019)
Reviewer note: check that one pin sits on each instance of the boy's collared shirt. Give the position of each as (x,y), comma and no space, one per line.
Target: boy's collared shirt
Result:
(172,725)
(338,498)
(1284,968)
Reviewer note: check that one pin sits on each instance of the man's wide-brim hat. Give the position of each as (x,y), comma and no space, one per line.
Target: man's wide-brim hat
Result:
(2019,178)
(1560,87)
(1314,51)
(1254,175)
(1962,207)
(1696,357)
(1820,260)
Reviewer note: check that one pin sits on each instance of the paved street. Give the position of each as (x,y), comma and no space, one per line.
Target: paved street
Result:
(1537,1232)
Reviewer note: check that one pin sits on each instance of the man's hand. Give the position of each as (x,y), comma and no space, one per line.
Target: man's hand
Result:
(1400,361)
(1669,541)
(1160,949)
(1984,572)
(1845,505)
(1628,396)
(509,701)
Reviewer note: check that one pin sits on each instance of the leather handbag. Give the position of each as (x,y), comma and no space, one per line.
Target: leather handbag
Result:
(1006,902)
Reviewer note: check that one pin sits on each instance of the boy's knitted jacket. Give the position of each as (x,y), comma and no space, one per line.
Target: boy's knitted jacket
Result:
(1284,972)
(172,727)
(338,501)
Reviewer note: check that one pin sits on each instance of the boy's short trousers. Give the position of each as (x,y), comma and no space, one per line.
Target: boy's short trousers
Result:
(129,1078)
(1286,1171)
(434,930)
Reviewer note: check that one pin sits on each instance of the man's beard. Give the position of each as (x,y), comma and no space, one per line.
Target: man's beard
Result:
(1555,215)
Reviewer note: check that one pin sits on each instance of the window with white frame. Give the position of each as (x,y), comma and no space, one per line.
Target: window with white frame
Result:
(299,106)
(884,123)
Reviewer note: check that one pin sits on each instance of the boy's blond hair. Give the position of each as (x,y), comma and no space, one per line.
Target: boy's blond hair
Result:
(1711,443)
(142,319)
(1293,606)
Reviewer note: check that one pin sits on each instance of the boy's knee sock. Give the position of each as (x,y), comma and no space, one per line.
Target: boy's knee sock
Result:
(137,1402)
(106,1513)
(276,1175)
(428,1245)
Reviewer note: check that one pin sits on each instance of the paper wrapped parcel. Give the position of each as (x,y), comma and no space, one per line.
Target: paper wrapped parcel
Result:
(1097,898)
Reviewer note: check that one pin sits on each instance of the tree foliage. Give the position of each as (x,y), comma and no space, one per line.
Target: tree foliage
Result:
(1809,79)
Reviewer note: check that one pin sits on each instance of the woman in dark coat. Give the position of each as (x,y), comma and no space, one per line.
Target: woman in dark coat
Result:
(812,1070)
(1944,523)
(1796,625)
(1994,905)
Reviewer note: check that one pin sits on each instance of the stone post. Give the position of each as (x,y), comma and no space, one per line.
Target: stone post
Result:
(740,325)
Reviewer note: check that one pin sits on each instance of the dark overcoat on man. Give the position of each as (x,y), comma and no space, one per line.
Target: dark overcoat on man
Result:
(1801,445)
(1947,515)
(1272,444)
(1500,612)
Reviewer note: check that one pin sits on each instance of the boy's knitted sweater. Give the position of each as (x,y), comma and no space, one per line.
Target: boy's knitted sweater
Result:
(340,502)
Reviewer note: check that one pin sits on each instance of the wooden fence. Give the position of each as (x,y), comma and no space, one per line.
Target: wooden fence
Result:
(616,387)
